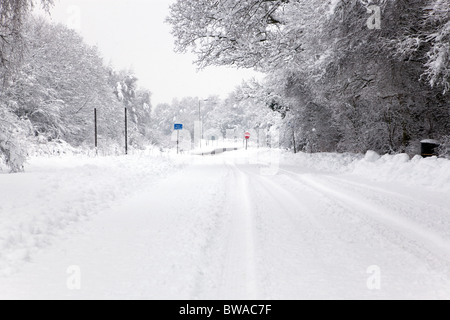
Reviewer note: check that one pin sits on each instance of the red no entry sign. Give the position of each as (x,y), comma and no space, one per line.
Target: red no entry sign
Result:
(247,135)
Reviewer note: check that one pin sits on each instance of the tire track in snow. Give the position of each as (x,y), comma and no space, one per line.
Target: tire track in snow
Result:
(434,212)
(382,216)
(238,279)
(393,194)
(362,240)
(302,251)
(285,229)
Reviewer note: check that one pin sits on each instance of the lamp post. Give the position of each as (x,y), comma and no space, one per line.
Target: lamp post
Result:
(200,120)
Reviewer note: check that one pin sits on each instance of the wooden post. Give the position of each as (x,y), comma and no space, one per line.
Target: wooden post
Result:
(126,131)
(95,130)
(295,142)
(178,141)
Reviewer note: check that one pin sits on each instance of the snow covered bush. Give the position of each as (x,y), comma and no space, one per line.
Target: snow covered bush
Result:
(444,149)
(12,134)
(40,146)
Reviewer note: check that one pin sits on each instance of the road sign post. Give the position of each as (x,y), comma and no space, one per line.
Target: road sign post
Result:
(247,137)
(178,127)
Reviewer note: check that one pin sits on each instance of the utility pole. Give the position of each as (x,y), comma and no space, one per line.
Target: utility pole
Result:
(200,119)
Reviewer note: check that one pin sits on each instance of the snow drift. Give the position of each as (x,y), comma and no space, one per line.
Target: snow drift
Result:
(38,206)
(429,172)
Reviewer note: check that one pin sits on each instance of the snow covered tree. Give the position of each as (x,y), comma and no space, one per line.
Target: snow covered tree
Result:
(185,111)
(13,14)
(378,88)
(246,108)
(427,39)
(142,112)
(59,83)
(12,137)
(125,89)
(242,110)
(138,104)
(250,33)
(356,83)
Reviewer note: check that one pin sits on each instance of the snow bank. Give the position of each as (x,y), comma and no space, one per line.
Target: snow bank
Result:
(37,206)
(429,172)
(53,148)
(322,162)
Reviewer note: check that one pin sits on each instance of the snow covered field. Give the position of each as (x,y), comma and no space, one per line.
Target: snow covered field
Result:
(190,227)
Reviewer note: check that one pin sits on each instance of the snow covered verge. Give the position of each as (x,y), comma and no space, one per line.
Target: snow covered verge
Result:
(429,172)
(39,205)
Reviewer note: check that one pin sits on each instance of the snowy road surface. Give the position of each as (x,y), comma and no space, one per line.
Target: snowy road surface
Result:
(219,229)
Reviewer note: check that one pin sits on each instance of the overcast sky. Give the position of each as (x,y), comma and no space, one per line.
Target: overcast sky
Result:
(132,33)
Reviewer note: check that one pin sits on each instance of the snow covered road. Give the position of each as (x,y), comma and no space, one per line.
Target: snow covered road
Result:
(219,229)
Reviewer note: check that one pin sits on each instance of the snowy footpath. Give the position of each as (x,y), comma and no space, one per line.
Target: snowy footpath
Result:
(225,227)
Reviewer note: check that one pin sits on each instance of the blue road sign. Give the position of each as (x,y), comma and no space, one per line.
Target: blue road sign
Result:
(178,127)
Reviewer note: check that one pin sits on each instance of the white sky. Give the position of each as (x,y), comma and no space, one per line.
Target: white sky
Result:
(132,33)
